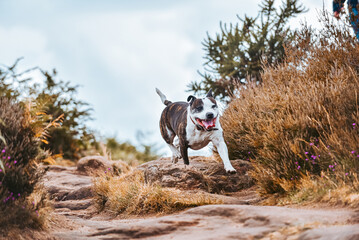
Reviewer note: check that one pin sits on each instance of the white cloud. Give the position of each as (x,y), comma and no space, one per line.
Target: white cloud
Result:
(138,45)
(138,51)
(19,41)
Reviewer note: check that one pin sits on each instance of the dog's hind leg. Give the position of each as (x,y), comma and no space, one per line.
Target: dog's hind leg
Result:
(169,136)
(175,153)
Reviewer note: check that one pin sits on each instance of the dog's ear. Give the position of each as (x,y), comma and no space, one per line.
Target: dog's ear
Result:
(209,94)
(190,99)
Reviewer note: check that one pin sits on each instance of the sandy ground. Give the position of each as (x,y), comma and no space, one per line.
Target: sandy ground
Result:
(75,217)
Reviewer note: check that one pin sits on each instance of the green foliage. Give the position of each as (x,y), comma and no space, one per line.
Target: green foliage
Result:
(235,55)
(127,152)
(55,99)
(10,84)
(73,137)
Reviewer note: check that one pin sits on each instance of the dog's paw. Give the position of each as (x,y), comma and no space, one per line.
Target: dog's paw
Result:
(174,159)
(231,170)
(177,155)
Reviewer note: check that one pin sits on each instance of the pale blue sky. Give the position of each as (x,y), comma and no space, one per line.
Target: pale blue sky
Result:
(119,51)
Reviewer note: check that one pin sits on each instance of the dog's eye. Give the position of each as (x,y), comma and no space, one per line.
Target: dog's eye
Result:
(199,109)
(214,106)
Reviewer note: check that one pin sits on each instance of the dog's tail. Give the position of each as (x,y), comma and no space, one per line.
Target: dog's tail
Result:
(163,97)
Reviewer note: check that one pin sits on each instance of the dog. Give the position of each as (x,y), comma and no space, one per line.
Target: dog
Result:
(193,124)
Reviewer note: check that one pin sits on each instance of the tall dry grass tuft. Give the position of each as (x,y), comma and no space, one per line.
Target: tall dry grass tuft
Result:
(302,121)
(130,194)
(333,189)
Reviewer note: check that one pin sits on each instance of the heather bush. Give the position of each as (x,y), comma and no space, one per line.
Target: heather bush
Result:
(20,173)
(19,155)
(302,120)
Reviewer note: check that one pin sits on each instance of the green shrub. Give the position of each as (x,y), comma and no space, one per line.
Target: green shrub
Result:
(73,137)
(302,121)
(234,56)
(57,99)
(129,153)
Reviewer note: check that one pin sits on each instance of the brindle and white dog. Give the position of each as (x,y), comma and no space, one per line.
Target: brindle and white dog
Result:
(193,124)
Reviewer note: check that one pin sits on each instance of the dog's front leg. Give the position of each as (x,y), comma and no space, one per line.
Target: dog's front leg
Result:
(184,153)
(221,147)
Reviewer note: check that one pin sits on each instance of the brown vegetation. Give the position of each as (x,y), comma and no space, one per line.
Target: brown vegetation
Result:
(22,199)
(130,194)
(301,123)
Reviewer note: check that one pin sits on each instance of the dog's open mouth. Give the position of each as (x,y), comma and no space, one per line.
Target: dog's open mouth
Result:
(207,123)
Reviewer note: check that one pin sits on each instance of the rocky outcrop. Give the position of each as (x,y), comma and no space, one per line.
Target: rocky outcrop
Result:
(75,217)
(64,183)
(91,164)
(69,190)
(97,164)
(226,222)
(202,173)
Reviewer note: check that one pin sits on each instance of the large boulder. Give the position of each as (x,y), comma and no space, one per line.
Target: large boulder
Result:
(202,173)
(93,164)
(99,164)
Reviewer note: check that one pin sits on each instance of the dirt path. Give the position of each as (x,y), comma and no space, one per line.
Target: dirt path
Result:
(76,218)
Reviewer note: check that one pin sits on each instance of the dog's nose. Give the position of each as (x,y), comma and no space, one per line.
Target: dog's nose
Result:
(209,115)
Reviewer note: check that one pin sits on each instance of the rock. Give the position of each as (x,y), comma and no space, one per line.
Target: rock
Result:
(202,173)
(235,222)
(64,183)
(99,164)
(332,232)
(91,164)
(70,191)
(74,204)
(77,218)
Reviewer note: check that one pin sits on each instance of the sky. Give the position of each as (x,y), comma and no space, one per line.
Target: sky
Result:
(118,51)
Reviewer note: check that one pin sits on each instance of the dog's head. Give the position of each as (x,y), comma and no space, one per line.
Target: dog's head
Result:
(203,111)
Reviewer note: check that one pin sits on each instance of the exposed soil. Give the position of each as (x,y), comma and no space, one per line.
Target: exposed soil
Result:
(75,217)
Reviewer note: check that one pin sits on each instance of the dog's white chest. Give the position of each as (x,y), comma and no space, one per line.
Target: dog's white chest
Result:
(198,139)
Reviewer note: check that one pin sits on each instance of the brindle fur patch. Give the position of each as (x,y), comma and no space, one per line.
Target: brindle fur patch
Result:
(174,117)
(196,103)
(213,100)
(173,122)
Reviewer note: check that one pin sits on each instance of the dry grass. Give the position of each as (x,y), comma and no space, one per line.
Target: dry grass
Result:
(299,122)
(335,190)
(30,214)
(129,194)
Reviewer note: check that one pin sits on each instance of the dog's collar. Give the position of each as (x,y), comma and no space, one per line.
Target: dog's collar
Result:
(201,128)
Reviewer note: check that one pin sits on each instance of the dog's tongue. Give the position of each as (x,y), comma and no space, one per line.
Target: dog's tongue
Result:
(209,123)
